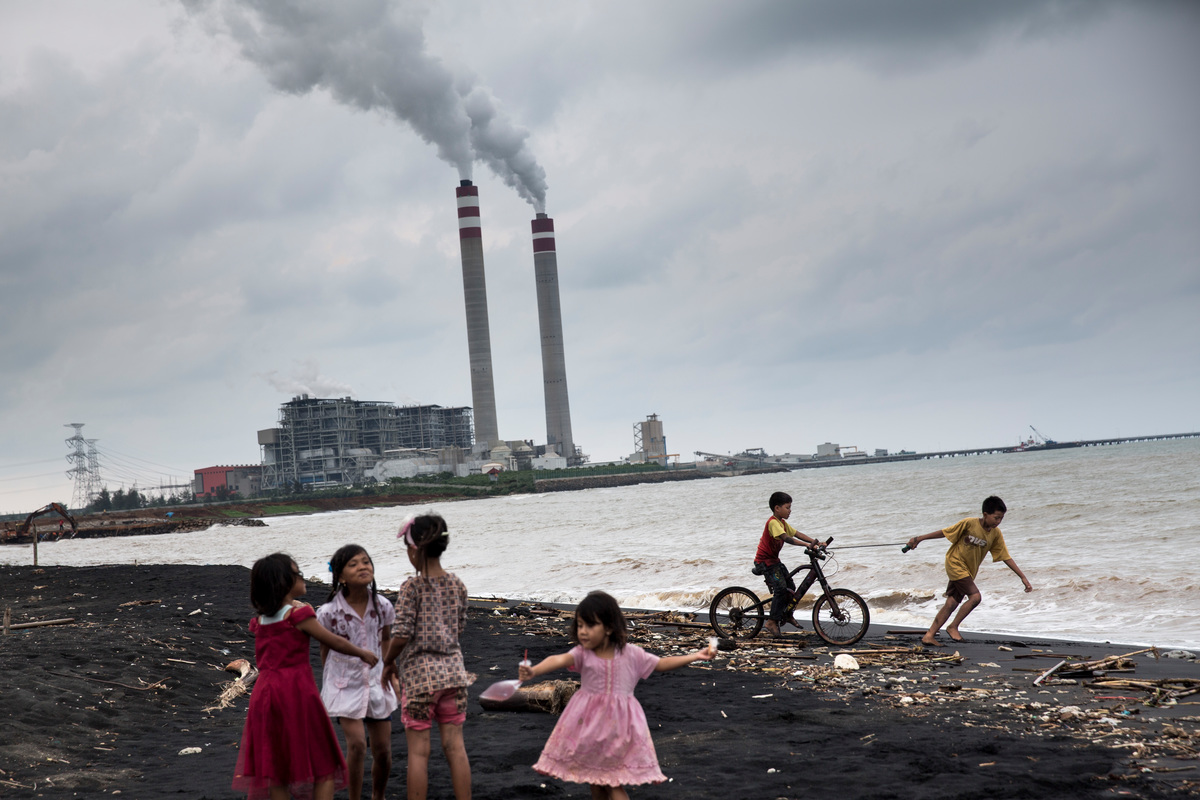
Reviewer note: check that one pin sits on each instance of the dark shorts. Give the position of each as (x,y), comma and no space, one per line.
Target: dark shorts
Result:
(963,587)
(388,718)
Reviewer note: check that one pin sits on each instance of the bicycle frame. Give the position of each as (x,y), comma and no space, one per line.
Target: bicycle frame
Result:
(815,574)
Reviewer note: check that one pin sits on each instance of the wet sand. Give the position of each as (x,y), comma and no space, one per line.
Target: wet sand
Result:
(103,706)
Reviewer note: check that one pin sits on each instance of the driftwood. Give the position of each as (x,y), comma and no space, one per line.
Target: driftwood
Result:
(41,624)
(1163,689)
(548,696)
(239,686)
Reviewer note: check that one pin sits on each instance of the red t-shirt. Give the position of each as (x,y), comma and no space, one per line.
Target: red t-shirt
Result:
(769,546)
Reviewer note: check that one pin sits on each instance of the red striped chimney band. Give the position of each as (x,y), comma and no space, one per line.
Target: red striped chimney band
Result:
(543,234)
(468,212)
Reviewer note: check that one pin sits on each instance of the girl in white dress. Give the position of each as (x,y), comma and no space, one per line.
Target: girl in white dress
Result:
(353,694)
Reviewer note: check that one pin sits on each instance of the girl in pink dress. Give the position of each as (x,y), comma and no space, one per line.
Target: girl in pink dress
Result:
(602,737)
(288,744)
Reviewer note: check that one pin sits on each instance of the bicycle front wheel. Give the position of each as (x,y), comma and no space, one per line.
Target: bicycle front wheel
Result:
(736,613)
(840,617)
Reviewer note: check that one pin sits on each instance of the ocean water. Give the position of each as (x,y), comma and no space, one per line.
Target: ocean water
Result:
(1109,537)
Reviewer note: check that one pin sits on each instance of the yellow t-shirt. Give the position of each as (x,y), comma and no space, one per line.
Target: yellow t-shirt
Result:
(780,528)
(969,542)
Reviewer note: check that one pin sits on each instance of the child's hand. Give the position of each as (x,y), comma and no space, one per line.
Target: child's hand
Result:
(525,672)
(1028,587)
(299,604)
(370,658)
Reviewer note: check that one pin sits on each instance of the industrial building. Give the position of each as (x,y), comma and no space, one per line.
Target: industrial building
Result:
(323,442)
(649,442)
(244,480)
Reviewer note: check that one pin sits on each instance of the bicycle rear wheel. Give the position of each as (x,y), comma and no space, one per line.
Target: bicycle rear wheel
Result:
(842,621)
(736,613)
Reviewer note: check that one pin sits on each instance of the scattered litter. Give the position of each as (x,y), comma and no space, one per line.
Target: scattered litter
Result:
(845,661)
(190,751)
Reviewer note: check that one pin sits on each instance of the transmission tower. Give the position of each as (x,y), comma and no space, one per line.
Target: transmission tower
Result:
(78,459)
(93,476)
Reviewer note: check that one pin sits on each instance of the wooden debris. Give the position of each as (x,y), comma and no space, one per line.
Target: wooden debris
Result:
(40,624)
(239,686)
(548,697)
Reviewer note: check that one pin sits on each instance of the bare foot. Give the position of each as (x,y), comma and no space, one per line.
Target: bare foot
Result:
(932,642)
(773,629)
(955,636)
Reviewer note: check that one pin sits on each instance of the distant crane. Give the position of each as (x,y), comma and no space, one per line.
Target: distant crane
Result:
(1045,439)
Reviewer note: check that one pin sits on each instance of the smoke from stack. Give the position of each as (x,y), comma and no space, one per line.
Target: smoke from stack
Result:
(554,362)
(371,54)
(479,339)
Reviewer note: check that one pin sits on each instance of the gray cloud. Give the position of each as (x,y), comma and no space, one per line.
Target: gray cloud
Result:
(775,222)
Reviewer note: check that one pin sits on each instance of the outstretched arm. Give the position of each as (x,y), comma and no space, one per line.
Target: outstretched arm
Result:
(1013,566)
(916,540)
(668,663)
(335,642)
(802,539)
(548,664)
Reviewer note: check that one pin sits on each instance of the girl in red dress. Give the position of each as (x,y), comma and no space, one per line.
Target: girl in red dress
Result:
(288,746)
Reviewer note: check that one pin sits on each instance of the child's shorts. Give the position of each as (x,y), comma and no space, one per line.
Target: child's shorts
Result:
(963,587)
(448,706)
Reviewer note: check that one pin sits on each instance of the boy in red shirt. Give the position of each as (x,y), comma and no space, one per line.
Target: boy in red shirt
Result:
(970,540)
(767,563)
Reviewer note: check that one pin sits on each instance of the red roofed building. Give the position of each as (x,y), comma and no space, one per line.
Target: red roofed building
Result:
(243,480)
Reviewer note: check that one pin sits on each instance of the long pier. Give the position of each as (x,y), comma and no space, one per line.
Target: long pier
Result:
(975,451)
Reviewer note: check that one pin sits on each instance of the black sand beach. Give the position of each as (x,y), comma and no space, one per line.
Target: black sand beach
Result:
(105,705)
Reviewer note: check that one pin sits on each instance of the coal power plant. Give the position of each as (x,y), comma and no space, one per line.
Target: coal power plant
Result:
(479,340)
(554,361)
(559,439)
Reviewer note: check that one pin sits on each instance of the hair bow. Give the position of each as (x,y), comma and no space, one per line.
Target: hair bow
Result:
(405,532)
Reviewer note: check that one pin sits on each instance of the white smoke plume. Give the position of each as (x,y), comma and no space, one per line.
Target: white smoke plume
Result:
(371,54)
(306,378)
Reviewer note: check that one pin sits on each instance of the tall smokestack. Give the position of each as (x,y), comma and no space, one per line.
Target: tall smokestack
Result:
(479,340)
(554,363)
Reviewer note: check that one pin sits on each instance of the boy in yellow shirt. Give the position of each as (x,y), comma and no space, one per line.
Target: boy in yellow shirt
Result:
(970,540)
(767,563)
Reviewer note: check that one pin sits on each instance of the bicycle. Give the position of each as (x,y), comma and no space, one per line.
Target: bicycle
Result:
(839,616)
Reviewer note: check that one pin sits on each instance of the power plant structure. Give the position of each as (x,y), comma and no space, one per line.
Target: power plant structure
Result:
(324,442)
(479,340)
(554,362)
(559,439)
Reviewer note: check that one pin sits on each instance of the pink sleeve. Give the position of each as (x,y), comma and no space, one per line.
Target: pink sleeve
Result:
(578,652)
(643,662)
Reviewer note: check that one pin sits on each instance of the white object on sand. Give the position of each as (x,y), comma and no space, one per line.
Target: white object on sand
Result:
(845,661)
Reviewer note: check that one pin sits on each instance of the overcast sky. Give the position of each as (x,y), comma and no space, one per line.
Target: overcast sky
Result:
(921,225)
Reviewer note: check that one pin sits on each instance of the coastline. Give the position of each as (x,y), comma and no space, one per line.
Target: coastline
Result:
(106,704)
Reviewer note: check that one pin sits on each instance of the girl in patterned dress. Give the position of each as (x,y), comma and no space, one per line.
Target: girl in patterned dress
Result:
(353,694)
(602,737)
(288,744)
(431,611)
